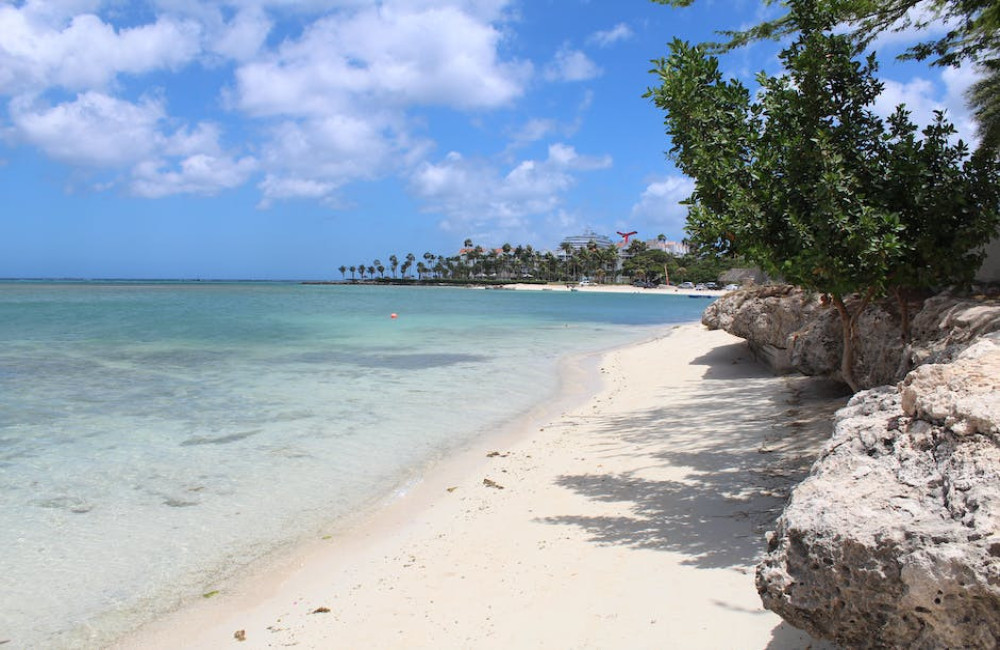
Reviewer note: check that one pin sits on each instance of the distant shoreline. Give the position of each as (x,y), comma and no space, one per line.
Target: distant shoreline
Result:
(666,290)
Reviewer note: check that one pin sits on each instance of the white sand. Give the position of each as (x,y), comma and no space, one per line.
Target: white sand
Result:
(630,521)
(663,290)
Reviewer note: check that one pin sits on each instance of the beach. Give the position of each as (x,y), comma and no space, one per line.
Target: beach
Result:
(629,514)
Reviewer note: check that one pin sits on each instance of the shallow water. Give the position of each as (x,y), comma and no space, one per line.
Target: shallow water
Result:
(154,437)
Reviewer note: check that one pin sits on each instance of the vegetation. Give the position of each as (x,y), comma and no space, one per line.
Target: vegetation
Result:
(973,37)
(476,264)
(806,181)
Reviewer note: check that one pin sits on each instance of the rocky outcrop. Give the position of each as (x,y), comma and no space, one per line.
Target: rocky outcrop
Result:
(795,331)
(893,541)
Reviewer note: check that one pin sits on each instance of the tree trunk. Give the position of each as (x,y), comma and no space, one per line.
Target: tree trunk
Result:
(848,355)
(904,314)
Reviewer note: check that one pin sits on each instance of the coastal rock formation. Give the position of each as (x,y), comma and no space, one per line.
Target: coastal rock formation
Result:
(893,541)
(767,317)
(795,331)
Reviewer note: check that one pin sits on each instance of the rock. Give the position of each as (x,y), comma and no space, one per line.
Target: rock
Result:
(796,331)
(893,541)
(766,317)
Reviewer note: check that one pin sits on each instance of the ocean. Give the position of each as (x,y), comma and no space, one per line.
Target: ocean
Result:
(155,437)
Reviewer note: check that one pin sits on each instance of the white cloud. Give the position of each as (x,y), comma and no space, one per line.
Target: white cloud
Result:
(571,65)
(921,14)
(274,187)
(196,174)
(384,57)
(98,131)
(84,52)
(338,97)
(244,36)
(474,193)
(534,130)
(606,38)
(923,96)
(660,202)
(92,130)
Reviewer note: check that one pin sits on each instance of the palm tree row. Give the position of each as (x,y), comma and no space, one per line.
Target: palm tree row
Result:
(507,263)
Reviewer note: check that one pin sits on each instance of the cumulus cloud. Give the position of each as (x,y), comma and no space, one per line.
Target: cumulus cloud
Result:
(473,192)
(660,202)
(243,37)
(923,96)
(97,131)
(93,130)
(196,174)
(606,38)
(382,56)
(39,50)
(571,65)
(333,104)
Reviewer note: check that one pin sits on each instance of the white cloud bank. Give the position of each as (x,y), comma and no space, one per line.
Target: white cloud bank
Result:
(472,193)
(319,109)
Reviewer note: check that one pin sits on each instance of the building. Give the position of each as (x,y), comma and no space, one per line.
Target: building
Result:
(675,248)
(578,242)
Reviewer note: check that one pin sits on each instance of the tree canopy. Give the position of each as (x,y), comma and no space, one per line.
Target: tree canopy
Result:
(973,37)
(807,181)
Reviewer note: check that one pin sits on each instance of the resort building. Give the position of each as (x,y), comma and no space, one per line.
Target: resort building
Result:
(675,248)
(578,242)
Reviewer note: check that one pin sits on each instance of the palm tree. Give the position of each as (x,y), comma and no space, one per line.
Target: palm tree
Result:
(569,256)
(377,264)
(371,272)
(343,271)
(361,271)
(394,263)
(984,99)
(353,269)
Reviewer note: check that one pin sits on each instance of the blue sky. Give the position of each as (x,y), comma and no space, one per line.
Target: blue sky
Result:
(281,138)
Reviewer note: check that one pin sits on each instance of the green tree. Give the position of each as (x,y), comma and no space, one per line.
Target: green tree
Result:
(393,264)
(973,37)
(343,272)
(796,181)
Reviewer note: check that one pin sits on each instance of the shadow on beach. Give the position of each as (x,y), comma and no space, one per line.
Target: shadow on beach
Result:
(726,448)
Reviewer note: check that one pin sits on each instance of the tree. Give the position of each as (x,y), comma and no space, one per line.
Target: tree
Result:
(394,264)
(798,180)
(973,37)
(343,271)
(353,269)
(983,99)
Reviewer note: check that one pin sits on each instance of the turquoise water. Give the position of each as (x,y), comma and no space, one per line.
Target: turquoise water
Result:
(154,437)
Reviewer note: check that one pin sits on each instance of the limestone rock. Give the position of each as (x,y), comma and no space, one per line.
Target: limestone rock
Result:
(893,541)
(795,331)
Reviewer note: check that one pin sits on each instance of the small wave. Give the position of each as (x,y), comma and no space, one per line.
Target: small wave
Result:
(219,440)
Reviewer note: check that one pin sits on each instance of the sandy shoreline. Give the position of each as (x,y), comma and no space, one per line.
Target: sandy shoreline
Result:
(631,520)
(662,290)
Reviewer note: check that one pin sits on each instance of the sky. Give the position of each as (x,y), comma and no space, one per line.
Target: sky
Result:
(280,139)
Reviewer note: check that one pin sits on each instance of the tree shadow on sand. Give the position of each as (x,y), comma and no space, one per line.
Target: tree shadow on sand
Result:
(738,454)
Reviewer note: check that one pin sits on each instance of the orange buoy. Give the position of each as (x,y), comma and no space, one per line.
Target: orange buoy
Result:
(393,316)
